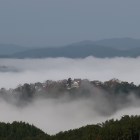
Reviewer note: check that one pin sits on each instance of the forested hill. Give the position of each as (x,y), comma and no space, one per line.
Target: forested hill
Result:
(113,94)
(103,98)
(128,128)
(78,88)
(21,131)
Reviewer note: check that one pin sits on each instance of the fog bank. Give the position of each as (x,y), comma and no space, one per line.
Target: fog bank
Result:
(19,71)
(55,115)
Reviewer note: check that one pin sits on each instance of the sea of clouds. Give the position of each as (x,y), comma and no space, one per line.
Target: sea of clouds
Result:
(55,115)
(21,71)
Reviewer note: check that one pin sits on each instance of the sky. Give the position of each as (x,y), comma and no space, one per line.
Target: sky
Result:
(60,22)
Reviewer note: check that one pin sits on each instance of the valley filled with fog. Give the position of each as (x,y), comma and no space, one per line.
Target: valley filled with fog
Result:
(19,71)
(53,114)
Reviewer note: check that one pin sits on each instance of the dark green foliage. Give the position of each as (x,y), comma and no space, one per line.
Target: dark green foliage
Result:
(83,133)
(21,131)
(128,128)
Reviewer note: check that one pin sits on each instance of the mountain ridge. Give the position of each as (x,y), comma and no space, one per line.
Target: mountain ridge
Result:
(117,47)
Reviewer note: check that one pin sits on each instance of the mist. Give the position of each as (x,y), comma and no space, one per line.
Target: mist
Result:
(19,71)
(53,115)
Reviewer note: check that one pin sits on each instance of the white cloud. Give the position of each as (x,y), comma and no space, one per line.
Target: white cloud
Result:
(34,70)
(54,115)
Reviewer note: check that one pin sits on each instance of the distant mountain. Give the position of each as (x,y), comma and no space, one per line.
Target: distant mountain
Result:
(8,49)
(78,51)
(120,43)
(71,51)
(123,47)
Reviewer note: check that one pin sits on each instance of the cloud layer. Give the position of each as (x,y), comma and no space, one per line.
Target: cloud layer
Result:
(35,70)
(54,115)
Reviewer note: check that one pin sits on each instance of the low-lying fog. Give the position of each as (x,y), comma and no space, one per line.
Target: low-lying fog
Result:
(18,71)
(54,115)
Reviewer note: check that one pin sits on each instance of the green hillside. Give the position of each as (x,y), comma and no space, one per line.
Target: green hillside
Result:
(127,128)
(21,131)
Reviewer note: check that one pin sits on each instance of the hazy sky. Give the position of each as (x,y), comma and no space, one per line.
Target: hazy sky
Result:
(59,22)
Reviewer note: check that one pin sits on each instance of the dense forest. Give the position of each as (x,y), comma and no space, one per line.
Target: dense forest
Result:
(21,131)
(77,87)
(114,94)
(127,128)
